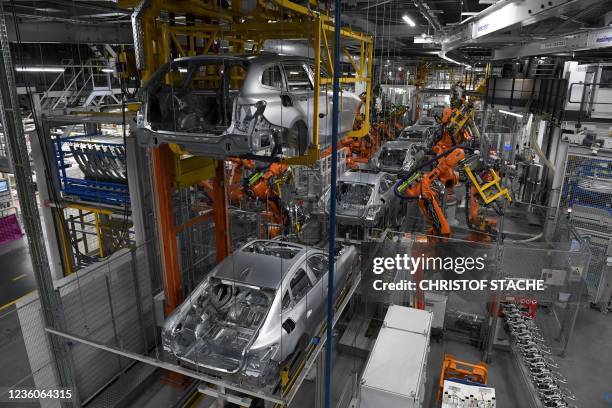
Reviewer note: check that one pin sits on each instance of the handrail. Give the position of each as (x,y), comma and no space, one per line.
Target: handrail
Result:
(76,72)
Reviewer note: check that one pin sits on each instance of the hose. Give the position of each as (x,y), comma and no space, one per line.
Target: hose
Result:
(531,239)
(538,150)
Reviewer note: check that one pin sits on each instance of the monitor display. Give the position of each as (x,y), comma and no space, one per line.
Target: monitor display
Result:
(4,186)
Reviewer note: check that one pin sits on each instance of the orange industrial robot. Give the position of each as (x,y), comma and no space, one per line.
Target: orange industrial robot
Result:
(263,184)
(458,134)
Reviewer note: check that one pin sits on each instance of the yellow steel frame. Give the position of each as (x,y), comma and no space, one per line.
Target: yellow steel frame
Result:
(239,28)
(494,183)
(160,35)
(96,212)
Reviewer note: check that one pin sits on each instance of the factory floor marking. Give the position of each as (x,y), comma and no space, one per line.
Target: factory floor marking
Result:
(9,304)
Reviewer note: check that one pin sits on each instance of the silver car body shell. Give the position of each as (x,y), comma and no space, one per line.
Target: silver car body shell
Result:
(233,141)
(417,132)
(395,168)
(270,274)
(357,214)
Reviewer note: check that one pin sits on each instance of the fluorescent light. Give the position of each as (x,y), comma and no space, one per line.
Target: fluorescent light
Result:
(107,70)
(39,69)
(441,55)
(423,40)
(518,115)
(408,20)
(469,13)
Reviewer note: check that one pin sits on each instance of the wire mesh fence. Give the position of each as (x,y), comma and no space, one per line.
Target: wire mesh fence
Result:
(18,371)
(586,205)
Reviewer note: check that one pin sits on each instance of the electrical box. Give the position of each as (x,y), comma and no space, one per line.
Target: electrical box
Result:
(459,395)
(436,304)
(395,374)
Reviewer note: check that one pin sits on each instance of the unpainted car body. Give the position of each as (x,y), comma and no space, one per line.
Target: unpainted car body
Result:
(365,198)
(396,156)
(423,130)
(260,305)
(238,105)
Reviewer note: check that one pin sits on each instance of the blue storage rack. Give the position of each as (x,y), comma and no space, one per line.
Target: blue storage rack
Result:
(88,189)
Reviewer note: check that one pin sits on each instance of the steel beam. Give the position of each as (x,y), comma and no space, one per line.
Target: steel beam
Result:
(12,123)
(59,32)
(161,364)
(588,40)
(506,15)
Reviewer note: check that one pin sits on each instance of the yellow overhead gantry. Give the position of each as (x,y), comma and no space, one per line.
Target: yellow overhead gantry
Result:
(189,28)
(164,29)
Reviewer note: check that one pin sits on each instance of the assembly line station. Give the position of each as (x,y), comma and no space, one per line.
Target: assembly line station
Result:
(306,204)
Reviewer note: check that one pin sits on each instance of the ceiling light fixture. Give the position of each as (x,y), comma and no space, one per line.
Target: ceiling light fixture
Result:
(441,55)
(518,115)
(408,20)
(469,13)
(39,69)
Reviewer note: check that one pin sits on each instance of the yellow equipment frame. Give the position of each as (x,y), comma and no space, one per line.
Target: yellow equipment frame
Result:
(483,188)
(275,19)
(205,23)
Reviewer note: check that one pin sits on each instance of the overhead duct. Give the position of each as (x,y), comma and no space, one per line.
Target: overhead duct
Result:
(431,18)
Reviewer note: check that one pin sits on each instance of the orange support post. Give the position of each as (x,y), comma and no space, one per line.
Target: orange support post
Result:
(220,213)
(162,158)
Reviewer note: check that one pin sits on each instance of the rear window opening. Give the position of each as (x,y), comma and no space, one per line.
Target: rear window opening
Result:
(195,97)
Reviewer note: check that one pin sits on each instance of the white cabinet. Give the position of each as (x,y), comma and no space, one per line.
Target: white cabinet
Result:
(395,373)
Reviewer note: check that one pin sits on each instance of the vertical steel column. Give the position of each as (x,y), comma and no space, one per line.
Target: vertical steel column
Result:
(20,164)
(56,267)
(162,158)
(221,216)
(320,382)
(332,205)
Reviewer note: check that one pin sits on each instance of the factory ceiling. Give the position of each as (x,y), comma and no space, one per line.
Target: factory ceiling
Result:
(433,22)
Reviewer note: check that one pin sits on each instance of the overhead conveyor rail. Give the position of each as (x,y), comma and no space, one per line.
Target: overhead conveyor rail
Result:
(491,25)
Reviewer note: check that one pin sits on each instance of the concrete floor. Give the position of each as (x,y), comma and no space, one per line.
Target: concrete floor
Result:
(16,280)
(586,366)
(16,276)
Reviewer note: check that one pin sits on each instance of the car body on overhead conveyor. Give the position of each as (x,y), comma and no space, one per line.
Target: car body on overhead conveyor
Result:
(396,156)
(365,198)
(424,130)
(240,105)
(260,306)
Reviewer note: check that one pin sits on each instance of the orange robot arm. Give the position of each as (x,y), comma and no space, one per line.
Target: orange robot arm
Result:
(429,202)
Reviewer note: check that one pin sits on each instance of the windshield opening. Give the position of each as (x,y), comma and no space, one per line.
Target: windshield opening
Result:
(354,193)
(426,121)
(392,157)
(278,249)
